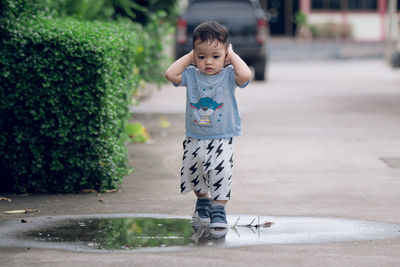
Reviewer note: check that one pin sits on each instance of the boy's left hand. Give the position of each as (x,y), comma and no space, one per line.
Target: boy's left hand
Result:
(229,53)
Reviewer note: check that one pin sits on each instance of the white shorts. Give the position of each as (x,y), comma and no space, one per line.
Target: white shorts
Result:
(207,167)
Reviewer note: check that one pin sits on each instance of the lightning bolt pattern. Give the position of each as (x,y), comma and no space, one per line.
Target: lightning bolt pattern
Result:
(195,181)
(205,180)
(207,164)
(210,147)
(219,150)
(193,168)
(220,167)
(183,187)
(218,184)
(196,152)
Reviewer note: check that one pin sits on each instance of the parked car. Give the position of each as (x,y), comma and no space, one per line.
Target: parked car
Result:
(245,21)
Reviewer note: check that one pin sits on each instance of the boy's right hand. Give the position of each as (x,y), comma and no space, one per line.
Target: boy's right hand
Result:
(174,72)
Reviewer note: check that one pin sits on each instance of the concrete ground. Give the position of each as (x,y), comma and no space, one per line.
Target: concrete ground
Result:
(289,49)
(320,139)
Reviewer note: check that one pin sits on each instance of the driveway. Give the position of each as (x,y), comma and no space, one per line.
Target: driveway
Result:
(320,139)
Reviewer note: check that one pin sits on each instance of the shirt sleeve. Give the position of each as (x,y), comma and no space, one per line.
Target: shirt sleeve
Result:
(232,76)
(232,79)
(184,79)
(245,84)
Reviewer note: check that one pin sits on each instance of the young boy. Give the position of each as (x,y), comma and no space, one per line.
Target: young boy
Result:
(210,72)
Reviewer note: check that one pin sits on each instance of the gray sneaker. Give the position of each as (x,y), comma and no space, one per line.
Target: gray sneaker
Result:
(201,216)
(219,224)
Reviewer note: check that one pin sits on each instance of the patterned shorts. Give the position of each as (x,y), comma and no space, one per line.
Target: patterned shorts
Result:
(207,167)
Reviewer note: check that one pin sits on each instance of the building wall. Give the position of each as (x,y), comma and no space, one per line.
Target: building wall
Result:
(368,25)
(365,27)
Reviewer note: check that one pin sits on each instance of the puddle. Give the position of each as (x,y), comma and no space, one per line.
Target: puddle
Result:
(118,233)
(138,232)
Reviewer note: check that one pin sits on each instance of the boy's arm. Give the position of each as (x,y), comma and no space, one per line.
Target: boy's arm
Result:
(174,72)
(242,71)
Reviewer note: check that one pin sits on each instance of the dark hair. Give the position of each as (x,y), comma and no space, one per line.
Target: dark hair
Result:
(210,31)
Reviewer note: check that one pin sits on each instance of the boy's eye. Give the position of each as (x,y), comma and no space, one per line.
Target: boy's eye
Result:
(216,57)
(200,57)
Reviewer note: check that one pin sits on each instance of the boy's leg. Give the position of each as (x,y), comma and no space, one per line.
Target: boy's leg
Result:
(192,177)
(220,177)
(198,195)
(221,170)
(201,214)
(218,222)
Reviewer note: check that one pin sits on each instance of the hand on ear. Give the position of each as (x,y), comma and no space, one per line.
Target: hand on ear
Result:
(229,52)
(193,58)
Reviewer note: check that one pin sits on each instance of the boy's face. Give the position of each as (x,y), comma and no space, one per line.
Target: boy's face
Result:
(210,56)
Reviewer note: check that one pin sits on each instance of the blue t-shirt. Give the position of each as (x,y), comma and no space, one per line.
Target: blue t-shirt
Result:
(211,108)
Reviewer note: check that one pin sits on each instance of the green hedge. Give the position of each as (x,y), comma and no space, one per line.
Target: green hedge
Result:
(65,91)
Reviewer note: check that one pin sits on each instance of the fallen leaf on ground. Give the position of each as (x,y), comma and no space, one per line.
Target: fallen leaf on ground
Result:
(25,221)
(137,132)
(101,200)
(251,225)
(31,210)
(88,191)
(267,224)
(21,211)
(164,123)
(15,211)
(111,191)
(4,198)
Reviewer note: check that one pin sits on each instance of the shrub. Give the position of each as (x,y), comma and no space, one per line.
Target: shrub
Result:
(140,11)
(65,90)
(156,16)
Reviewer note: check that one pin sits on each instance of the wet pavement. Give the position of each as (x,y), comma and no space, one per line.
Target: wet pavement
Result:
(320,140)
(107,233)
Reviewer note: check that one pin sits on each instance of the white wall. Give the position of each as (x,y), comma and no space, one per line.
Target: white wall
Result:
(365,26)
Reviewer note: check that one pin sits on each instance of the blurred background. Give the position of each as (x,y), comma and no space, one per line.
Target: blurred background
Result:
(322,29)
(297,29)
(294,29)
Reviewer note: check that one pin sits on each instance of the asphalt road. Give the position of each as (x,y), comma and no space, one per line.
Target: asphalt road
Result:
(320,139)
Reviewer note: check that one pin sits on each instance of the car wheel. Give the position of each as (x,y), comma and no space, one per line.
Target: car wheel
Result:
(396,60)
(259,69)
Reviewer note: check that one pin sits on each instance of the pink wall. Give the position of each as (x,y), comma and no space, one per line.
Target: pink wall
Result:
(305,6)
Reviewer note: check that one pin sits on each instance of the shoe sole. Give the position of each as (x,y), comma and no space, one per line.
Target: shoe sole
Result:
(218,225)
(219,233)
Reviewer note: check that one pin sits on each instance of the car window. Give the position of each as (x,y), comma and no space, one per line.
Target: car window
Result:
(215,9)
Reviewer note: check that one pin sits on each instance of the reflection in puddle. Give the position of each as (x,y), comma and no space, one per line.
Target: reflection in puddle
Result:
(118,233)
(161,232)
